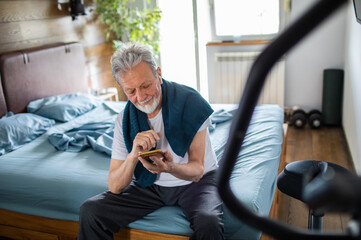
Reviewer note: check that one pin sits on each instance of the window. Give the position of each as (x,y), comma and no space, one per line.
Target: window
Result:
(177,48)
(236,20)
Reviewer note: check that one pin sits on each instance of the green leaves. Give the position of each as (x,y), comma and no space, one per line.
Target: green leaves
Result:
(129,23)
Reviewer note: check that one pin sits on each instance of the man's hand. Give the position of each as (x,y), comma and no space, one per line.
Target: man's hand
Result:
(144,141)
(193,170)
(161,163)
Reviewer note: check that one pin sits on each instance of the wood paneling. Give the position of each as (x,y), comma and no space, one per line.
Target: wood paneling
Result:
(15,11)
(34,29)
(32,23)
(99,70)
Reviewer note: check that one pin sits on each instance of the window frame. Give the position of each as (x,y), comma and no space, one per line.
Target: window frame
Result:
(230,38)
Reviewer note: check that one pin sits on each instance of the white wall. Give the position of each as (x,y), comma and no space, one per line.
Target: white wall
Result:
(352,88)
(323,48)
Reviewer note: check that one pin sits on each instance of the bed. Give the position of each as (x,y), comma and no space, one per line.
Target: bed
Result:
(42,187)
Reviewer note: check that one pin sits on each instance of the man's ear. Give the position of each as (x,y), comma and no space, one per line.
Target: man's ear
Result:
(159,73)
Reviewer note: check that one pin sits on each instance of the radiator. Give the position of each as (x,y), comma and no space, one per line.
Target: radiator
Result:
(231,71)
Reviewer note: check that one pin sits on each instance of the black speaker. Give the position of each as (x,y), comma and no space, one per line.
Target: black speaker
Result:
(332,96)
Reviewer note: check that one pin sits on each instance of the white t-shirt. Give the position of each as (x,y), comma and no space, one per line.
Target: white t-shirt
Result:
(163,179)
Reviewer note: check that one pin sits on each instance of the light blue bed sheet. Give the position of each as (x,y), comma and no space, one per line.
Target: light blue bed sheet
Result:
(39,180)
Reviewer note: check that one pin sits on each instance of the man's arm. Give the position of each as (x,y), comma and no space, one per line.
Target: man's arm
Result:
(121,171)
(191,171)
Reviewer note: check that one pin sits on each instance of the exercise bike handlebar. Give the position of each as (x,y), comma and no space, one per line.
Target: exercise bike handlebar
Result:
(262,65)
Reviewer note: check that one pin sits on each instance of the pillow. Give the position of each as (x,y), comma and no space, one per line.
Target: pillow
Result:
(16,130)
(65,107)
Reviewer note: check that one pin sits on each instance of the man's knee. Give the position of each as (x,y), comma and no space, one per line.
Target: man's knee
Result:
(207,220)
(208,226)
(92,224)
(89,209)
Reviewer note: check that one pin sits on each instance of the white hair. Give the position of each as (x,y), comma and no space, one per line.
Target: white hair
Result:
(130,55)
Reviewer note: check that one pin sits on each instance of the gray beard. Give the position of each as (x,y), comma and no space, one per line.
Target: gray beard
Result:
(148,109)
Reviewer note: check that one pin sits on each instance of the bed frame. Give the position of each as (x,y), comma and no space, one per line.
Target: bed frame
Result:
(21,226)
(28,68)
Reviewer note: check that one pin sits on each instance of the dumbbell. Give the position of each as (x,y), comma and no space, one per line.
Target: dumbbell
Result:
(300,117)
(315,119)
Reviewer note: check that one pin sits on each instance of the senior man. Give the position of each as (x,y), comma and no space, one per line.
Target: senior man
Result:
(159,115)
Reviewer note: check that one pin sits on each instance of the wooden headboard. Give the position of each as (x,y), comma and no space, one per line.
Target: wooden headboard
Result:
(40,72)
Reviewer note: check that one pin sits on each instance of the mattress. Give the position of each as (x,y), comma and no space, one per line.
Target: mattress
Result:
(36,179)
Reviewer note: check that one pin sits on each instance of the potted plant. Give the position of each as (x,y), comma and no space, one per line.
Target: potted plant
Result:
(129,22)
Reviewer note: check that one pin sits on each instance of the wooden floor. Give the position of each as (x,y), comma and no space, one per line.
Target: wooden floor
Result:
(326,144)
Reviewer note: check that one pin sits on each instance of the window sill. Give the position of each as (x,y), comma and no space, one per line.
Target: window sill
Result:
(231,43)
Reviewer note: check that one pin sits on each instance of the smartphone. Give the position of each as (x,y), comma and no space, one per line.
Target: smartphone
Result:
(151,153)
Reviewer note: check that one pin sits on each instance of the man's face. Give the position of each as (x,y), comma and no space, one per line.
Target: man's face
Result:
(142,88)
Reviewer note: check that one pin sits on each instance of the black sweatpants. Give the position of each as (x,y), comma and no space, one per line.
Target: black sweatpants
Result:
(108,213)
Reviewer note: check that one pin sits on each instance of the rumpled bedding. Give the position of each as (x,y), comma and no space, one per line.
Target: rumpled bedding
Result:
(99,135)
